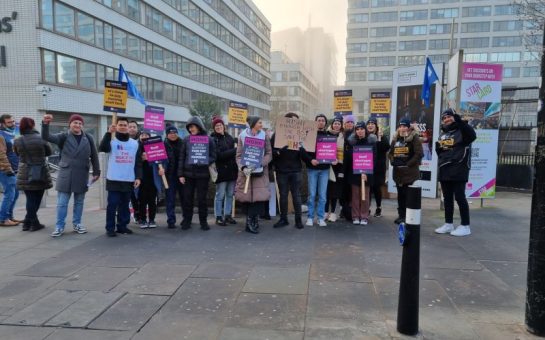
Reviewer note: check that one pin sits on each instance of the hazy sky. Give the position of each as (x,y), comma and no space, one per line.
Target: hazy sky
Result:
(329,14)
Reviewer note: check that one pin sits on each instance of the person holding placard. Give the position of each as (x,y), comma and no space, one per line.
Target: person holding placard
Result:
(380,166)
(346,196)
(134,133)
(123,175)
(253,156)
(454,151)
(359,160)
(405,156)
(336,182)
(173,146)
(197,153)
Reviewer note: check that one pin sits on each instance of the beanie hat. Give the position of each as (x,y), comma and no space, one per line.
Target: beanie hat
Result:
(75,117)
(170,129)
(405,122)
(252,121)
(291,115)
(217,120)
(372,120)
(348,118)
(448,112)
(26,124)
(320,115)
(360,125)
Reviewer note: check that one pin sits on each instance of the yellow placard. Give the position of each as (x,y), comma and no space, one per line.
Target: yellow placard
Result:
(115,96)
(343,104)
(237,114)
(381,106)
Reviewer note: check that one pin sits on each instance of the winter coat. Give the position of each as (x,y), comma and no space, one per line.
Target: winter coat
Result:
(9,138)
(286,160)
(5,165)
(31,149)
(226,163)
(350,176)
(380,166)
(454,151)
(309,156)
(406,165)
(185,169)
(74,160)
(173,152)
(258,188)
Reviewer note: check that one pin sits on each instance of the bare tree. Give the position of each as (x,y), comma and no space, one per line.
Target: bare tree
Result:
(532,15)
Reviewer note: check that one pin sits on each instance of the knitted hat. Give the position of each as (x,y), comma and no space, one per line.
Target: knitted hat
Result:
(448,112)
(217,120)
(170,129)
(349,118)
(252,121)
(291,115)
(360,125)
(372,120)
(320,115)
(337,118)
(75,117)
(405,122)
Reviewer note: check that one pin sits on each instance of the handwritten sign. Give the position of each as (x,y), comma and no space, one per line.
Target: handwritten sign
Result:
(155,149)
(254,149)
(198,150)
(237,114)
(326,149)
(294,132)
(115,96)
(363,160)
(154,119)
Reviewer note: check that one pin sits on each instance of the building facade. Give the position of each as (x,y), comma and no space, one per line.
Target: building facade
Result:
(292,88)
(386,34)
(59,53)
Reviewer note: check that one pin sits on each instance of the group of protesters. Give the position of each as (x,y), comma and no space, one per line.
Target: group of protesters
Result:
(332,186)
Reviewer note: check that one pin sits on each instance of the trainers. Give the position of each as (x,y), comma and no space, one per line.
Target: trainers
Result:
(356,221)
(80,228)
(332,217)
(364,221)
(445,228)
(124,230)
(461,230)
(310,222)
(111,233)
(322,223)
(282,222)
(378,212)
(399,220)
(58,232)
(220,221)
(152,224)
(143,225)
(171,226)
(204,225)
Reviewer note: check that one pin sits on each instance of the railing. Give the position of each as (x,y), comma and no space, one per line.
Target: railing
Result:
(516,159)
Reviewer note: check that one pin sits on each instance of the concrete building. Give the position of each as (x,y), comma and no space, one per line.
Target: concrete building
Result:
(386,34)
(317,52)
(292,88)
(58,54)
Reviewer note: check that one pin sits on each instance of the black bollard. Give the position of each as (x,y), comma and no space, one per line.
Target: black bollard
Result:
(407,309)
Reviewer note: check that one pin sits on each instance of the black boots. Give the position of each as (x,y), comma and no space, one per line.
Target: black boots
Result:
(26,224)
(299,223)
(35,225)
(282,222)
(230,220)
(252,224)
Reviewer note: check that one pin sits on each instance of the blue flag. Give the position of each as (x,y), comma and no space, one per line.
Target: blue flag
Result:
(133,91)
(430,77)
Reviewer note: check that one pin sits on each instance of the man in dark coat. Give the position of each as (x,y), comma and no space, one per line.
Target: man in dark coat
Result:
(173,146)
(77,149)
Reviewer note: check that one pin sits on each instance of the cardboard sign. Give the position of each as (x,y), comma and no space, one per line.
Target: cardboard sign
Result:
(342,102)
(154,119)
(155,149)
(254,149)
(295,132)
(326,149)
(362,161)
(115,96)
(237,114)
(198,150)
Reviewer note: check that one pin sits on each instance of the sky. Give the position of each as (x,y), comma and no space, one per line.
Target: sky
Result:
(329,14)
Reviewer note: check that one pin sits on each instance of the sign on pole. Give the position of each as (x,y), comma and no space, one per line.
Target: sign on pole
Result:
(154,119)
(380,105)
(294,133)
(342,102)
(253,151)
(362,159)
(326,149)
(237,114)
(155,149)
(198,150)
(115,96)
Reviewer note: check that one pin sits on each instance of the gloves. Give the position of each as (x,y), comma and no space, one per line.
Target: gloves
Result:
(247,171)
(457,118)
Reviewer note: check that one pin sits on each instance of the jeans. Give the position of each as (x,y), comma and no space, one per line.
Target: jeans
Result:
(10,196)
(224,193)
(174,187)
(33,200)
(317,183)
(289,182)
(451,191)
(118,201)
(62,208)
(200,185)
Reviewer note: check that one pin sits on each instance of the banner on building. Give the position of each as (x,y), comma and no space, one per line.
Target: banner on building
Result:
(115,96)
(408,103)
(380,104)
(237,114)
(294,133)
(154,119)
(342,102)
(480,105)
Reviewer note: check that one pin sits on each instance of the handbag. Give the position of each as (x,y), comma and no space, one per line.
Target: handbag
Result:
(213,172)
(37,172)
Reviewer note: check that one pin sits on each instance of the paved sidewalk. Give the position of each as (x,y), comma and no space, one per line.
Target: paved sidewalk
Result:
(337,282)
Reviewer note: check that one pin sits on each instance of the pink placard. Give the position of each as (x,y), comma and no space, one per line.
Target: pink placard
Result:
(363,160)
(155,149)
(478,71)
(326,149)
(154,118)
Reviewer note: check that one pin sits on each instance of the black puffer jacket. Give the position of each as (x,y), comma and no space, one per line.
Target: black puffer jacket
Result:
(192,170)
(31,149)
(380,166)
(454,151)
(173,152)
(349,174)
(226,163)
(286,160)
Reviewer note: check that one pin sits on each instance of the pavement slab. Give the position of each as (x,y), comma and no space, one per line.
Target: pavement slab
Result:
(88,334)
(17,292)
(24,333)
(233,333)
(157,279)
(95,278)
(320,271)
(332,328)
(293,280)
(512,273)
(222,270)
(174,325)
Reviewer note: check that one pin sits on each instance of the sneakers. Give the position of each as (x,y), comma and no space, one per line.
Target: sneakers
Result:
(124,230)
(461,230)
(143,225)
(230,220)
(220,221)
(322,223)
(58,232)
(111,233)
(399,220)
(79,228)
(332,217)
(310,222)
(364,221)
(152,224)
(282,222)
(171,226)
(356,221)
(445,228)
(378,212)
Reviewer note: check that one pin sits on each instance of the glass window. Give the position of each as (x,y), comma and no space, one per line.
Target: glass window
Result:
(120,41)
(158,90)
(511,72)
(358,3)
(133,44)
(295,76)
(108,37)
(439,58)
(171,93)
(380,76)
(87,75)
(383,3)
(412,30)
(477,11)
(356,62)
(505,10)
(383,16)
(358,18)
(64,19)
(505,56)
(158,56)
(413,15)
(532,71)
(67,70)
(382,61)
(356,47)
(86,29)
(101,77)
(382,46)
(441,44)
(411,60)
(357,33)
(99,34)
(506,41)
(474,42)
(412,2)
(133,9)
(444,13)
(413,45)
(508,25)
(167,27)
(50,73)
(476,57)
(383,31)
(170,61)
(120,6)
(47,14)
(442,28)
(473,27)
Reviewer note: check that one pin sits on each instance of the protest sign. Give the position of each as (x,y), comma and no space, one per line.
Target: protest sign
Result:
(253,151)
(362,162)
(198,150)
(155,149)
(294,133)
(115,96)
(154,119)
(237,114)
(326,149)
(342,102)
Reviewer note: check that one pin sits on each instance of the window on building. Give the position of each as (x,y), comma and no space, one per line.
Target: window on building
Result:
(170,61)
(506,41)
(120,41)
(413,15)
(99,34)
(383,16)
(134,48)
(441,44)
(358,3)
(133,10)
(439,58)
(86,29)
(476,57)
(390,31)
(412,45)
(504,56)
(357,33)
(383,3)
(505,10)
(411,60)
(507,25)
(476,11)
(356,62)
(511,72)
(473,27)
(383,46)
(444,1)
(412,30)
(87,75)
(442,13)
(66,70)
(46,11)
(119,6)
(532,71)
(356,76)
(441,28)
(50,73)
(158,56)
(158,90)
(108,37)
(356,47)
(382,61)
(412,2)
(474,42)
(380,76)
(295,75)
(101,77)
(358,18)
(64,19)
